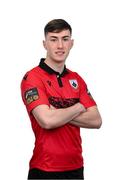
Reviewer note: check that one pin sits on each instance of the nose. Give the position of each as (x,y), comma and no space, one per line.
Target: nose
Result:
(60,44)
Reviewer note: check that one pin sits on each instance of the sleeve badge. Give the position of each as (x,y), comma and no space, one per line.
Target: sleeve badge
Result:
(31,95)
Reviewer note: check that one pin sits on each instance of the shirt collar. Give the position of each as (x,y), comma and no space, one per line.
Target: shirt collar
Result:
(49,70)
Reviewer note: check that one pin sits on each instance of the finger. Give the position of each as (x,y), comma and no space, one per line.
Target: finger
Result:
(52,107)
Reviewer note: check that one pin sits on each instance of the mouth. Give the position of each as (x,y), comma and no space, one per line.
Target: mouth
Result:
(60,53)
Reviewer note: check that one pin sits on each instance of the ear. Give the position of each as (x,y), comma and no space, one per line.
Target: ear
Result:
(44,44)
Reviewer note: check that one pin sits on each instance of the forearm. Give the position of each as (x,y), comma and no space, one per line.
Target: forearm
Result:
(49,117)
(89,119)
(59,117)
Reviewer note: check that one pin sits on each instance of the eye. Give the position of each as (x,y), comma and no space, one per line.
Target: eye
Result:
(66,39)
(53,40)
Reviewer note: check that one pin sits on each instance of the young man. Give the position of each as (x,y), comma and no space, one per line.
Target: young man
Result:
(58,103)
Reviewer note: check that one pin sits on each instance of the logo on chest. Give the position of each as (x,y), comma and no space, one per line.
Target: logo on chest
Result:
(73,83)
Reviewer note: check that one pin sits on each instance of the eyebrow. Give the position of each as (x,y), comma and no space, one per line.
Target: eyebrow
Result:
(57,37)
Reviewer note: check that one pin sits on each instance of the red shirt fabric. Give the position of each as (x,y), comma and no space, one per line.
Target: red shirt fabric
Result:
(56,149)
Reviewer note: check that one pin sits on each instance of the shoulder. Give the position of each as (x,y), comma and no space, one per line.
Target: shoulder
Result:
(32,78)
(32,74)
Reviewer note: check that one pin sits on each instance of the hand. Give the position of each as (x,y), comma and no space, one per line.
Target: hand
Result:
(52,107)
(81,107)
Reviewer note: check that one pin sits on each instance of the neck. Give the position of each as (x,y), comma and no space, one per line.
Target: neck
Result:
(56,66)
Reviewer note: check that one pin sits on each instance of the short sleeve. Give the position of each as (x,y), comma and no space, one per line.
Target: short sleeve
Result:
(85,96)
(33,91)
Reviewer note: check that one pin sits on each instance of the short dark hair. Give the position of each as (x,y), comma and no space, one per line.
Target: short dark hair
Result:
(57,25)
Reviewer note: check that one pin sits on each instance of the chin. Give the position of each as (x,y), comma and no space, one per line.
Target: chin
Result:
(59,60)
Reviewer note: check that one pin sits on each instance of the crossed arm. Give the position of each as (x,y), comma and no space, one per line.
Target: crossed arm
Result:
(77,115)
(89,119)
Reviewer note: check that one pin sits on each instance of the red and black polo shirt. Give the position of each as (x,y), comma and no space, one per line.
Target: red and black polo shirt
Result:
(56,149)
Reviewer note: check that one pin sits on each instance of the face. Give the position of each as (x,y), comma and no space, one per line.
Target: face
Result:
(58,45)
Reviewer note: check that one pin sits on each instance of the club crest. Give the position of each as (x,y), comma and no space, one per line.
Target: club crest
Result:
(74,83)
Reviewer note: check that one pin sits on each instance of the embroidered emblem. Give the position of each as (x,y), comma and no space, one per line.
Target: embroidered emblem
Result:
(74,83)
(49,82)
(31,95)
